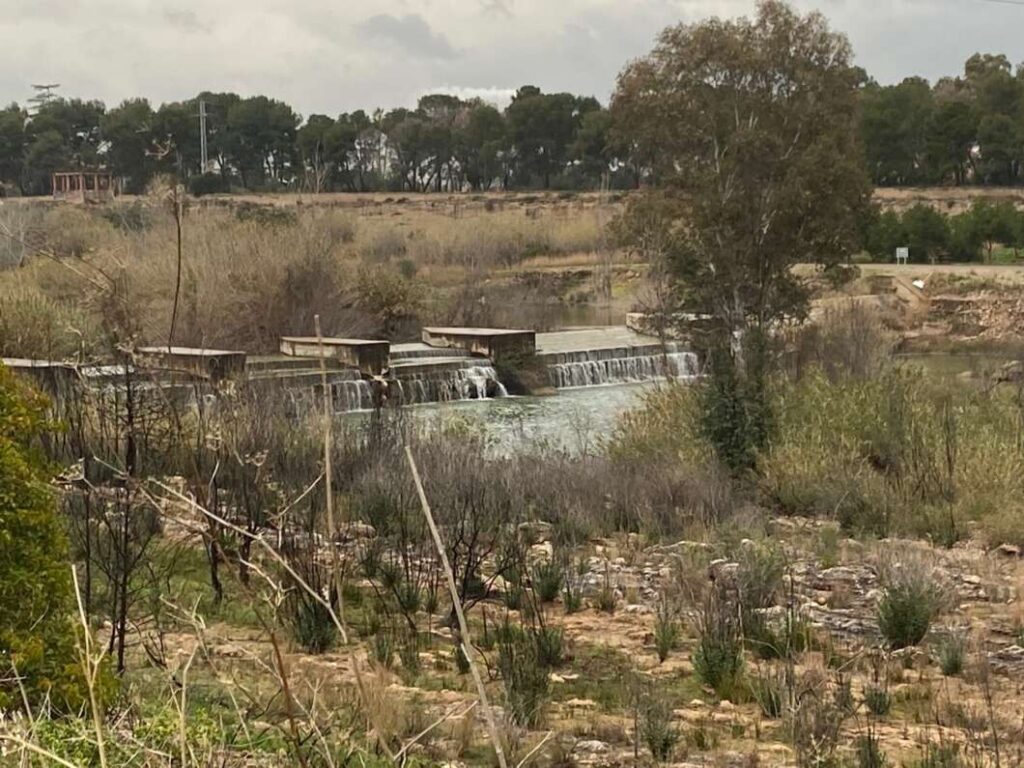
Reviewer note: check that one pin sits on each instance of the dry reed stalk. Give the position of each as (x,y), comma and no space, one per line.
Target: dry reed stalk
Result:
(91,669)
(466,645)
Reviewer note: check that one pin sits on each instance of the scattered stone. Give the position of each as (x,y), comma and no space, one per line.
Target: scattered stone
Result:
(542,551)
(637,609)
(1008,550)
(229,651)
(583,704)
(354,532)
(592,747)
(1009,659)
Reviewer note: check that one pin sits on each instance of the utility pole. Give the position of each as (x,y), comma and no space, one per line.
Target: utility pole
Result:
(204,158)
(44,95)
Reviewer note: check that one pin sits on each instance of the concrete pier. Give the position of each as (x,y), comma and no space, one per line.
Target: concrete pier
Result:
(486,342)
(212,364)
(368,356)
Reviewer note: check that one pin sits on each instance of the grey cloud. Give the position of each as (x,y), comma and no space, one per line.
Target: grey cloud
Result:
(186,21)
(411,33)
(327,56)
(497,7)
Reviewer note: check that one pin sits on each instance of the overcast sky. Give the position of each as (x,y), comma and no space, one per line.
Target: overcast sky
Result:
(335,55)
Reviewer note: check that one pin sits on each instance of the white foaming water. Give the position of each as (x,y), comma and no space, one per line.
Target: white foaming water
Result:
(594,368)
(474,382)
(347,396)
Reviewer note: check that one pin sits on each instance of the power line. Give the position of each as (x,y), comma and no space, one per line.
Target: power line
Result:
(1004,2)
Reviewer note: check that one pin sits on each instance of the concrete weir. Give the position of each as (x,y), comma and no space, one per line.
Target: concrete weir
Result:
(450,364)
(611,355)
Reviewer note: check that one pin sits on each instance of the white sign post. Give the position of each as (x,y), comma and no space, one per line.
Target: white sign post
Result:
(902,255)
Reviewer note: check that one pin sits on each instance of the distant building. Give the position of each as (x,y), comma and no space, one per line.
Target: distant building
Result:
(84,186)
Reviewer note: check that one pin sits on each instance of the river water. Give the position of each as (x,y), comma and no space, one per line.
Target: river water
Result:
(574,420)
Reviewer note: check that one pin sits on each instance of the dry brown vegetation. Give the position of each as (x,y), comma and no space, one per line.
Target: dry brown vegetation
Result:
(253,273)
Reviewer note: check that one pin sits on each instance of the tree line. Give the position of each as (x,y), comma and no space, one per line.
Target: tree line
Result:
(548,140)
(962,130)
(987,231)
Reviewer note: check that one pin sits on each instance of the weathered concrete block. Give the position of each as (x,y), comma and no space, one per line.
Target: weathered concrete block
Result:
(213,364)
(369,356)
(487,342)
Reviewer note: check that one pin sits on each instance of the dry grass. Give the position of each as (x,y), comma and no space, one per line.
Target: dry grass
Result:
(251,274)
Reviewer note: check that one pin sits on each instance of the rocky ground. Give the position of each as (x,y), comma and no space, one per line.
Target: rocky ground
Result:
(833,583)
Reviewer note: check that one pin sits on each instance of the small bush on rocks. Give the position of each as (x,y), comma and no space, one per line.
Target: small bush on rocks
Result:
(951,652)
(907,608)
(667,631)
(524,675)
(655,725)
(547,577)
(877,700)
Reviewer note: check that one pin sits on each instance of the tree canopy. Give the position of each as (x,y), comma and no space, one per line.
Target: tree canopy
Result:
(753,124)
(752,127)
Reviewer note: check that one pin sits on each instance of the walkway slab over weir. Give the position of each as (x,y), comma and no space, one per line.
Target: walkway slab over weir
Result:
(213,364)
(487,342)
(370,357)
(587,339)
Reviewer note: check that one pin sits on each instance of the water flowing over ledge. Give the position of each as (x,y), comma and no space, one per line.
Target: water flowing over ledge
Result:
(601,356)
(592,369)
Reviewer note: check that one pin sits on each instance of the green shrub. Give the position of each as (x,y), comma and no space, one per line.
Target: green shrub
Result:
(383,647)
(311,623)
(525,677)
(869,752)
(906,610)
(572,586)
(606,600)
(768,690)
(133,217)
(842,695)
(951,653)
(266,215)
(461,660)
(655,726)
(73,231)
(839,274)
(942,755)
(515,593)
(550,641)
(877,700)
(33,325)
(667,631)
(718,658)
(37,631)
(409,652)
(207,184)
(547,577)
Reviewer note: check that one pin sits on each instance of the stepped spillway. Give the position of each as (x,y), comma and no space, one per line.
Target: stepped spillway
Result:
(598,356)
(419,374)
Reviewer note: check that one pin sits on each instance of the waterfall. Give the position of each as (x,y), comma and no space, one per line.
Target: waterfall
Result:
(348,396)
(446,384)
(620,366)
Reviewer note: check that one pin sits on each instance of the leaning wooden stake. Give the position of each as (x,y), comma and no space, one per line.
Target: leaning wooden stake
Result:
(467,647)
